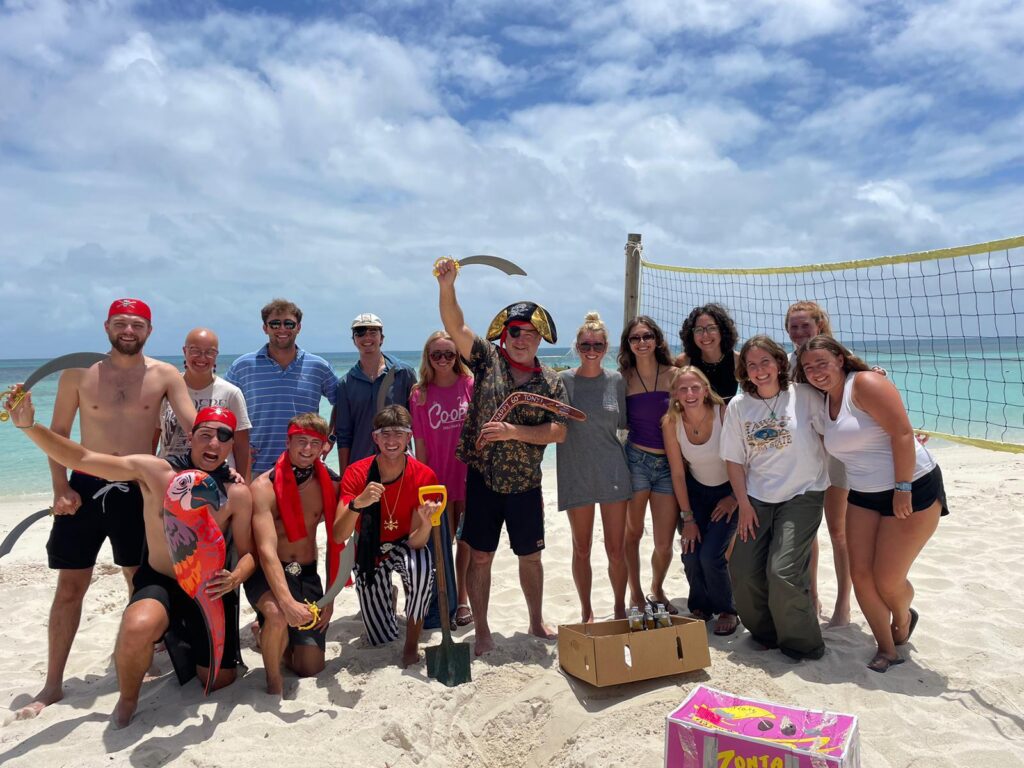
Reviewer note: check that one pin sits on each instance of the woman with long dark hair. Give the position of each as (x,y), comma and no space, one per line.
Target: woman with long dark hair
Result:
(709,340)
(645,363)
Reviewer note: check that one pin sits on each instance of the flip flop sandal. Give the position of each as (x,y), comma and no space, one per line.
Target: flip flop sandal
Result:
(881,664)
(653,603)
(914,616)
(463,619)
(730,627)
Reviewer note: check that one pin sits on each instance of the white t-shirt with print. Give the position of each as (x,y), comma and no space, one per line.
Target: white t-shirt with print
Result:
(174,441)
(783,456)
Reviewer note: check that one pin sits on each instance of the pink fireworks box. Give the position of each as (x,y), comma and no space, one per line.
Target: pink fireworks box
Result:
(714,729)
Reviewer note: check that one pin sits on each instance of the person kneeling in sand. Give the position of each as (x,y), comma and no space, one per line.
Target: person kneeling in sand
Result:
(380,498)
(288,503)
(158,605)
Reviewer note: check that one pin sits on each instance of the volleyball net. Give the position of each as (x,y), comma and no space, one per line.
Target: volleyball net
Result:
(947,325)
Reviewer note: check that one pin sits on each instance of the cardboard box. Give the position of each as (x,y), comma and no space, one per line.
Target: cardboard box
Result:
(607,653)
(714,729)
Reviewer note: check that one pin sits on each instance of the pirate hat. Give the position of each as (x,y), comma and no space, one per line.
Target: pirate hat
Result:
(524,312)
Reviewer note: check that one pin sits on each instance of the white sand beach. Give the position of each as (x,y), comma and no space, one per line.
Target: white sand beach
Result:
(958,701)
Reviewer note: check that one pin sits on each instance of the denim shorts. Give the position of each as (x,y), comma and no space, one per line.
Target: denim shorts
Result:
(649,471)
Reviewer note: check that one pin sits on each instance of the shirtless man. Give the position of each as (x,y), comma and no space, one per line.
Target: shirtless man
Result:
(158,602)
(118,402)
(288,503)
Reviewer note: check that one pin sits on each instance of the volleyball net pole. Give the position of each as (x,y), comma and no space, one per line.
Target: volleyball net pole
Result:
(947,325)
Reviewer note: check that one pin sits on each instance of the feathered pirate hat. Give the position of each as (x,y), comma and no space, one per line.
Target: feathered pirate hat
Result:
(524,312)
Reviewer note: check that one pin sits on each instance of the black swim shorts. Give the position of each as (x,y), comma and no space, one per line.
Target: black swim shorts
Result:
(924,492)
(109,510)
(187,640)
(304,586)
(486,511)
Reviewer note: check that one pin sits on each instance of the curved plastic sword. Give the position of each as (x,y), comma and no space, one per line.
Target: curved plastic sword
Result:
(346,560)
(20,528)
(74,360)
(506,266)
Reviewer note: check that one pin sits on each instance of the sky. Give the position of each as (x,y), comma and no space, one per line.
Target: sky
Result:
(207,157)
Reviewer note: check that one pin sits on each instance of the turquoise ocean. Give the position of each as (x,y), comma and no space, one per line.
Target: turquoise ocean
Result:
(971,389)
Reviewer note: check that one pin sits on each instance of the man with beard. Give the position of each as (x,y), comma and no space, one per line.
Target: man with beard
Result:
(158,602)
(503,484)
(207,390)
(359,389)
(118,404)
(289,502)
(279,381)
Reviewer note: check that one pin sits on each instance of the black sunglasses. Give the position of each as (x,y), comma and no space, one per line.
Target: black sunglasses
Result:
(442,354)
(291,325)
(640,338)
(360,332)
(223,434)
(591,346)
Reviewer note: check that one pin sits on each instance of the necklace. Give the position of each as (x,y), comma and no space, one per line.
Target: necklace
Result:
(775,401)
(696,429)
(391,524)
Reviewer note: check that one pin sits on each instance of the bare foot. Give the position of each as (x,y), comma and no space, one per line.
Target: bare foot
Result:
(123,712)
(411,657)
(484,644)
(818,611)
(275,687)
(840,617)
(255,629)
(620,611)
(544,632)
(43,699)
(588,617)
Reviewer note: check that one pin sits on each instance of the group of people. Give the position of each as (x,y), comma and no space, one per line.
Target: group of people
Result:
(742,453)
(710,461)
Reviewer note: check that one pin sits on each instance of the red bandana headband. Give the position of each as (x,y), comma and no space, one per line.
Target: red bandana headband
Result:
(295,429)
(130,307)
(218,414)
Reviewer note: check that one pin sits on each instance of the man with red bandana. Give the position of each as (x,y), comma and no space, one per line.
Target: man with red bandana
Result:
(289,501)
(504,477)
(118,404)
(159,607)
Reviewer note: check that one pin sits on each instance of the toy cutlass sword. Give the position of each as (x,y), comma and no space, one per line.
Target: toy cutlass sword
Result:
(346,561)
(506,266)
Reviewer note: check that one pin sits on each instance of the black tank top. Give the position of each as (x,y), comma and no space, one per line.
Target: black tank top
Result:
(722,375)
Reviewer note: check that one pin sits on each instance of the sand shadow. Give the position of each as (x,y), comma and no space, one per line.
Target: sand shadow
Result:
(49,736)
(79,692)
(521,647)
(594,699)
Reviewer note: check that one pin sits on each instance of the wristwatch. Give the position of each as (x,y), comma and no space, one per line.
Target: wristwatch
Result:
(905,487)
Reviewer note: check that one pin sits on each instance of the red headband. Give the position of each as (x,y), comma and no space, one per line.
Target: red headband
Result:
(218,414)
(295,429)
(130,307)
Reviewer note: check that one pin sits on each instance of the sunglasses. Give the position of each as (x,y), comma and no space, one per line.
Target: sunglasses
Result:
(516,331)
(392,431)
(641,338)
(360,332)
(291,325)
(591,346)
(223,434)
(442,354)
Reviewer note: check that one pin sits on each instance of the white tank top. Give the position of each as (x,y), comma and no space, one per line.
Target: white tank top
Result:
(703,461)
(857,440)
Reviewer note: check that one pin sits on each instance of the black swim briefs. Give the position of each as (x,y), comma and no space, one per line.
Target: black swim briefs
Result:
(304,586)
(109,510)
(187,629)
(924,492)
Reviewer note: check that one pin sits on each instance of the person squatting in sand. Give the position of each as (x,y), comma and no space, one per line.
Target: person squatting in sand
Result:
(158,604)
(380,499)
(503,484)
(289,501)
(118,403)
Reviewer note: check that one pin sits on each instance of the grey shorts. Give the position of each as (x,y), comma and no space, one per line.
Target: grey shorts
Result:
(649,471)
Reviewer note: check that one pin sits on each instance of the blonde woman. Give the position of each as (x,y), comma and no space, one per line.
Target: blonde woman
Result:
(692,430)
(592,468)
(438,404)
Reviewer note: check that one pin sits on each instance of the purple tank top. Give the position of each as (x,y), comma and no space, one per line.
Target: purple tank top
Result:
(643,415)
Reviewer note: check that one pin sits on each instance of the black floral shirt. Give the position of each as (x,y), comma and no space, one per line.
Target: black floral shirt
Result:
(511,466)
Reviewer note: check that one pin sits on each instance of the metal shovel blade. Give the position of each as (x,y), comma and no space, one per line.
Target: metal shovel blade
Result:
(449,662)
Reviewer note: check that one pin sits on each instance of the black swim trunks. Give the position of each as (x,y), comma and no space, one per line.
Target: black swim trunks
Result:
(109,510)
(304,585)
(925,491)
(486,511)
(187,640)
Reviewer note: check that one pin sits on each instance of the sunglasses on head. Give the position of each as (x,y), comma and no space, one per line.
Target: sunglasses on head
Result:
(360,332)
(591,346)
(442,354)
(291,325)
(641,338)
(223,433)
(515,331)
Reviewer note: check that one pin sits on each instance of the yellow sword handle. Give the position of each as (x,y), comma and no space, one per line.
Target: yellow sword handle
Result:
(18,396)
(315,610)
(437,263)
(435,490)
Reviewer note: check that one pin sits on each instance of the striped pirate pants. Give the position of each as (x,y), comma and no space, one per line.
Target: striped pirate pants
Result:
(416,568)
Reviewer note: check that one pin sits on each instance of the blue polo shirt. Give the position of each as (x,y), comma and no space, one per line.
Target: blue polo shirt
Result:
(273,395)
(357,404)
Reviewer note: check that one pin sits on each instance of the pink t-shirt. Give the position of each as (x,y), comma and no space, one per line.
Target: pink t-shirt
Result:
(438,423)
